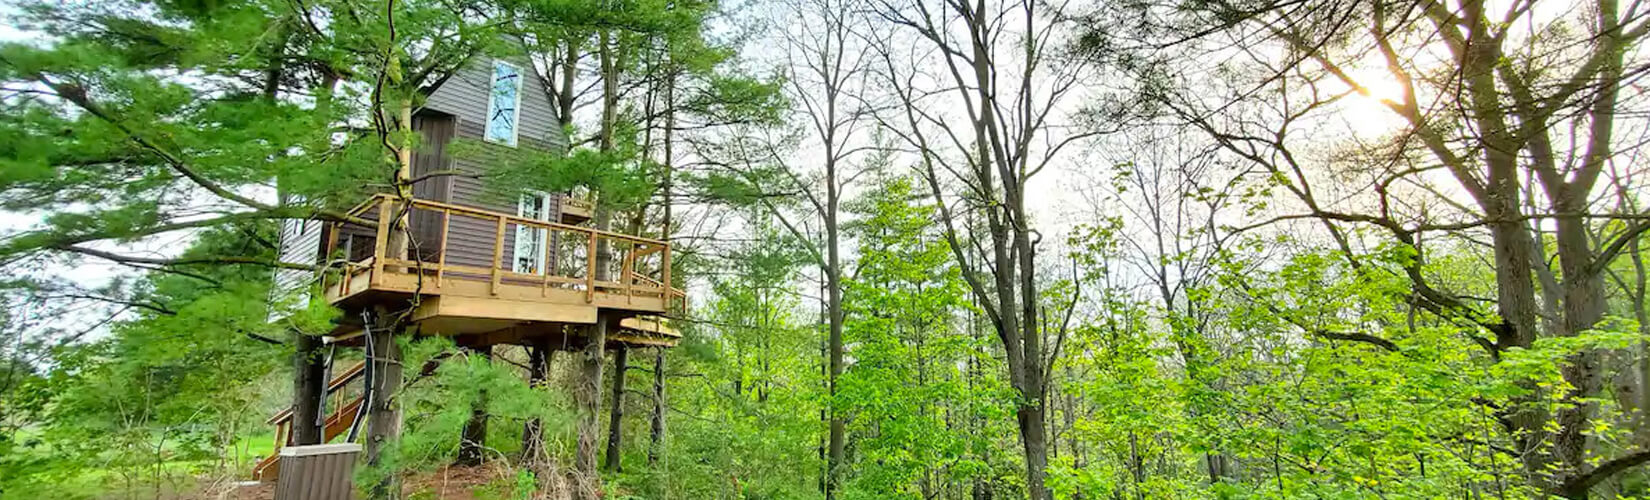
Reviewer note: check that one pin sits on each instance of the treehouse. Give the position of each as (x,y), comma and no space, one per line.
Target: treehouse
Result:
(470,263)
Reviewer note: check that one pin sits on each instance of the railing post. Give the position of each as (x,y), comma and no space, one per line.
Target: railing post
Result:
(332,241)
(498,253)
(664,275)
(550,261)
(590,270)
(381,247)
(332,229)
(441,260)
(628,273)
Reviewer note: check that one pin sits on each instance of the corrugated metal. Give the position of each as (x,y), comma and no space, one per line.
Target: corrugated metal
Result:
(319,476)
(299,245)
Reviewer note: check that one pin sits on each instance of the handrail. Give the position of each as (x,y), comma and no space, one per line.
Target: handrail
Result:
(488,214)
(349,375)
(336,423)
(633,275)
(361,208)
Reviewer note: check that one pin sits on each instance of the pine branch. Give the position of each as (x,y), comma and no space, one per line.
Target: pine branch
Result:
(129,259)
(77,95)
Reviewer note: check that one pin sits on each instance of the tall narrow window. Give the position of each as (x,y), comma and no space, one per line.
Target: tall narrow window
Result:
(504,107)
(530,241)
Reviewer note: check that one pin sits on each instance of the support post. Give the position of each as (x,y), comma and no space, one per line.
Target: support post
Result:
(625,276)
(615,419)
(472,450)
(308,382)
(664,274)
(383,415)
(656,444)
(538,372)
(381,247)
(590,270)
(498,255)
(587,396)
(441,262)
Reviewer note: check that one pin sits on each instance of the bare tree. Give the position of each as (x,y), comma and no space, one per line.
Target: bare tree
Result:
(1519,116)
(826,68)
(1171,192)
(825,65)
(998,66)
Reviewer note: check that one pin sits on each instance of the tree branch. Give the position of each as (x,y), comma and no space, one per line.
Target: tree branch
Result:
(1580,484)
(129,259)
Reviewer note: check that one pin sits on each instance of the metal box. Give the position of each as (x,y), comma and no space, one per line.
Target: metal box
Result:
(317,472)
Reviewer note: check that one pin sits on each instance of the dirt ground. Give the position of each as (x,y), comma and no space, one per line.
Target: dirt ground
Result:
(449,483)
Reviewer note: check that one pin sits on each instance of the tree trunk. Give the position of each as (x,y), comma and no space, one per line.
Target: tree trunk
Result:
(587,396)
(837,445)
(656,441)
(1035,442)
(308,388)
(615,419)
(1584,304)
(472,448)
(656,434)
(538,372)
(1034,408)
(384,415)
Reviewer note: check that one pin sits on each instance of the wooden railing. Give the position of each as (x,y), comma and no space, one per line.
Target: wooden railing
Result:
(340,419)
(283,420)
(576,257)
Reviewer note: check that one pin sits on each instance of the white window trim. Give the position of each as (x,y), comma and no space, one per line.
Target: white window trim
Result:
(543,235)
(486,124)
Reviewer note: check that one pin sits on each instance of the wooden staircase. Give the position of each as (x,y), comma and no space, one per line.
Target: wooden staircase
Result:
(337,423)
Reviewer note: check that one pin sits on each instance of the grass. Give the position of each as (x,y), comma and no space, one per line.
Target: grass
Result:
(46,475)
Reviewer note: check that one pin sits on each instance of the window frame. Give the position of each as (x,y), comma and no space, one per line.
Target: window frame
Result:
(492,100)
(541,235)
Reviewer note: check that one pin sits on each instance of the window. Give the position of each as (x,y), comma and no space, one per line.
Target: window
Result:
(531,241)
(504,107)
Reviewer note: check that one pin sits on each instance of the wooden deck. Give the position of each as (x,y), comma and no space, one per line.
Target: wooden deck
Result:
(584,271)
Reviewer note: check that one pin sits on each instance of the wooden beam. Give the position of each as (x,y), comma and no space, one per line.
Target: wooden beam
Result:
(381,247)
(664,273)
(647,299)
(441,264)
(498,253)
(590,270)
(502,309)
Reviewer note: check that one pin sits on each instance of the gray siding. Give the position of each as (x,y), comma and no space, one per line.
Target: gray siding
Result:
(456,109)
(472,238)
(465,96)
(300,241)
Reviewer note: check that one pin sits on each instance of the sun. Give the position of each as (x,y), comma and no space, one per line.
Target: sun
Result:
(1380,86)
(1367,109)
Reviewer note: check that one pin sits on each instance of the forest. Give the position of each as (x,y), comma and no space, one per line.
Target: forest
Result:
(926,249)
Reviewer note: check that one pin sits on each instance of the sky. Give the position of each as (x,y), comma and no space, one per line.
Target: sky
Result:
(1059,199)
(90,274)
